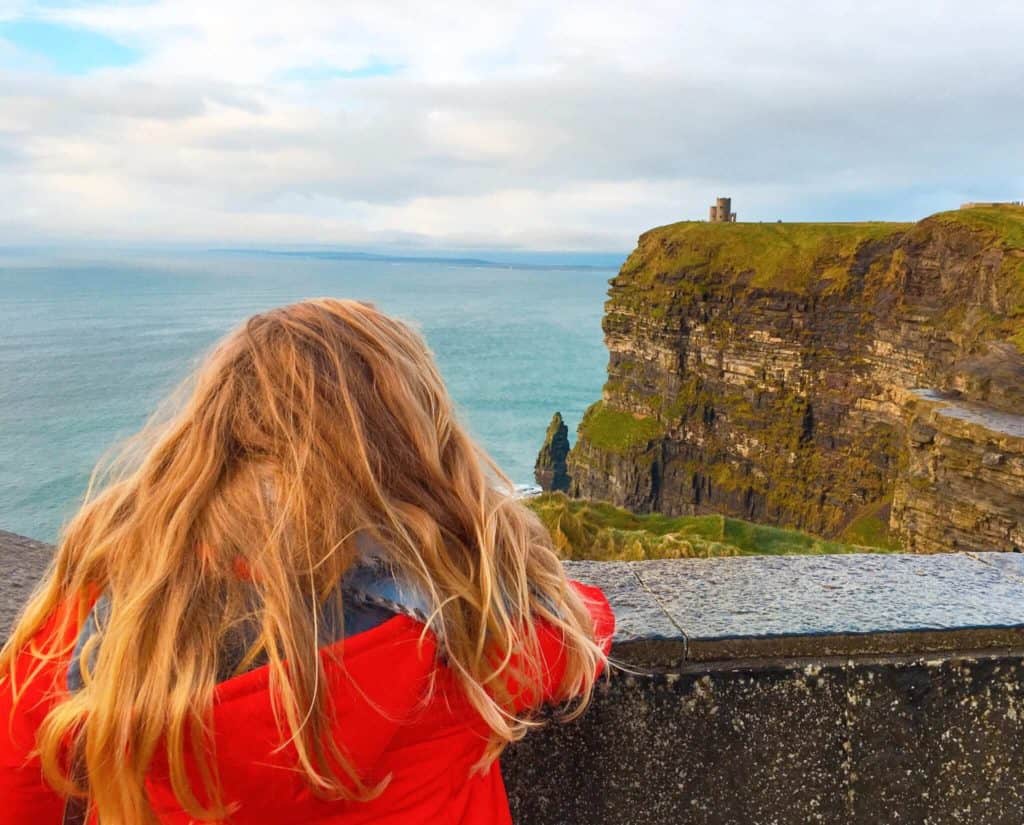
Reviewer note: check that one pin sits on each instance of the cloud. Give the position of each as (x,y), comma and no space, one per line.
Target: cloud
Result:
(570,126)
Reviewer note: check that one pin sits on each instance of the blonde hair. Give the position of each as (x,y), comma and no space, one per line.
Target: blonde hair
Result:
(307,426)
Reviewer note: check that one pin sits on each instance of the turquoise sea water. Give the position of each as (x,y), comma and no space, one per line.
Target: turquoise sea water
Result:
(90,344)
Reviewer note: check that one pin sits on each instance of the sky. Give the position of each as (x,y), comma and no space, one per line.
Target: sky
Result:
(512,125)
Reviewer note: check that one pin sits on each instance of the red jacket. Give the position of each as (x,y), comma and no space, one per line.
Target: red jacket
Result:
(427,749)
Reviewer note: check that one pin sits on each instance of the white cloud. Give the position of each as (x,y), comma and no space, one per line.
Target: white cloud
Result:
(574,125)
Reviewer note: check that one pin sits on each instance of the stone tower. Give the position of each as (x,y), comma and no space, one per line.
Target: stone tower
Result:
(722,212)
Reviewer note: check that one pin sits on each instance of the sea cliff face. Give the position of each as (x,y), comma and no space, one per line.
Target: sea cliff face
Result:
(765,371)
(962,486)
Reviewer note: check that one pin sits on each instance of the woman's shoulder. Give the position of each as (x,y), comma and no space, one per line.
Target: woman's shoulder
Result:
(372,592)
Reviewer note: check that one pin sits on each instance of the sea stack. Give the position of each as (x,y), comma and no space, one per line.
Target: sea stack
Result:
(550,470)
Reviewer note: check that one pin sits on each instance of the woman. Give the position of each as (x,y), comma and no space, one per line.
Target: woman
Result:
(312,600)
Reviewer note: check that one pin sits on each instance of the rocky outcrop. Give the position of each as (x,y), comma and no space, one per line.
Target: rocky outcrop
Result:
(550,470)
(763,370)
(963,483)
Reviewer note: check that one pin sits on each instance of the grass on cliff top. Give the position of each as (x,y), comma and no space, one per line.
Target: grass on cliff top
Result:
(595,530)
(779,255)
(1005,223)
(617,431)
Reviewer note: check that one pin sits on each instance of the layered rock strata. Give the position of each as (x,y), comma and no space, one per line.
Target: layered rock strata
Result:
(963,482)
(764,371)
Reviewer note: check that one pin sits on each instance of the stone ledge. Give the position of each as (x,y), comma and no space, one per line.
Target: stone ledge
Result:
(22,563)
(995,421)
(708,610)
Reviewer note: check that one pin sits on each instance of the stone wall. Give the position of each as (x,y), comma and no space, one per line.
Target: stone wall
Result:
(22,562)
(856,689)
(845,689)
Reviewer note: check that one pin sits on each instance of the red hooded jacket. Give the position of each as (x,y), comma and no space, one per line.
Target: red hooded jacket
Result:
(428,749)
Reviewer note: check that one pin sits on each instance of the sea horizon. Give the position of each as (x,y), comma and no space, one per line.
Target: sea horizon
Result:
(94,337)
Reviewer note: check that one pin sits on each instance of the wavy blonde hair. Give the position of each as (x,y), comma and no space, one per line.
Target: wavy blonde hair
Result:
(305,427)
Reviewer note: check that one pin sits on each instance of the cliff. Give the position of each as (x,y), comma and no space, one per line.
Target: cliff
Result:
(766,371)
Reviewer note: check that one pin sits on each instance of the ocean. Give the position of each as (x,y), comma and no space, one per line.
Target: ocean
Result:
(89,344)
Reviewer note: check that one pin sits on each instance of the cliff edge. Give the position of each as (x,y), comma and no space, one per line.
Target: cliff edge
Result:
(784,372)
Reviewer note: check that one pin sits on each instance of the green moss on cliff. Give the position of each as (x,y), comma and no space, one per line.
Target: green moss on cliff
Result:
(1005,223)
(617,431)
(595,530)
(776,255)
(1001,226)
(871,527)
(1018,339)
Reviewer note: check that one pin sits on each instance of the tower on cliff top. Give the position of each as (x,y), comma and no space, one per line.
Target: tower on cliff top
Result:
(722,212)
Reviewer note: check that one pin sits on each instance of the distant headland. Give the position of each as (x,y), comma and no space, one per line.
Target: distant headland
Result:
(863,381)
(344,255)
